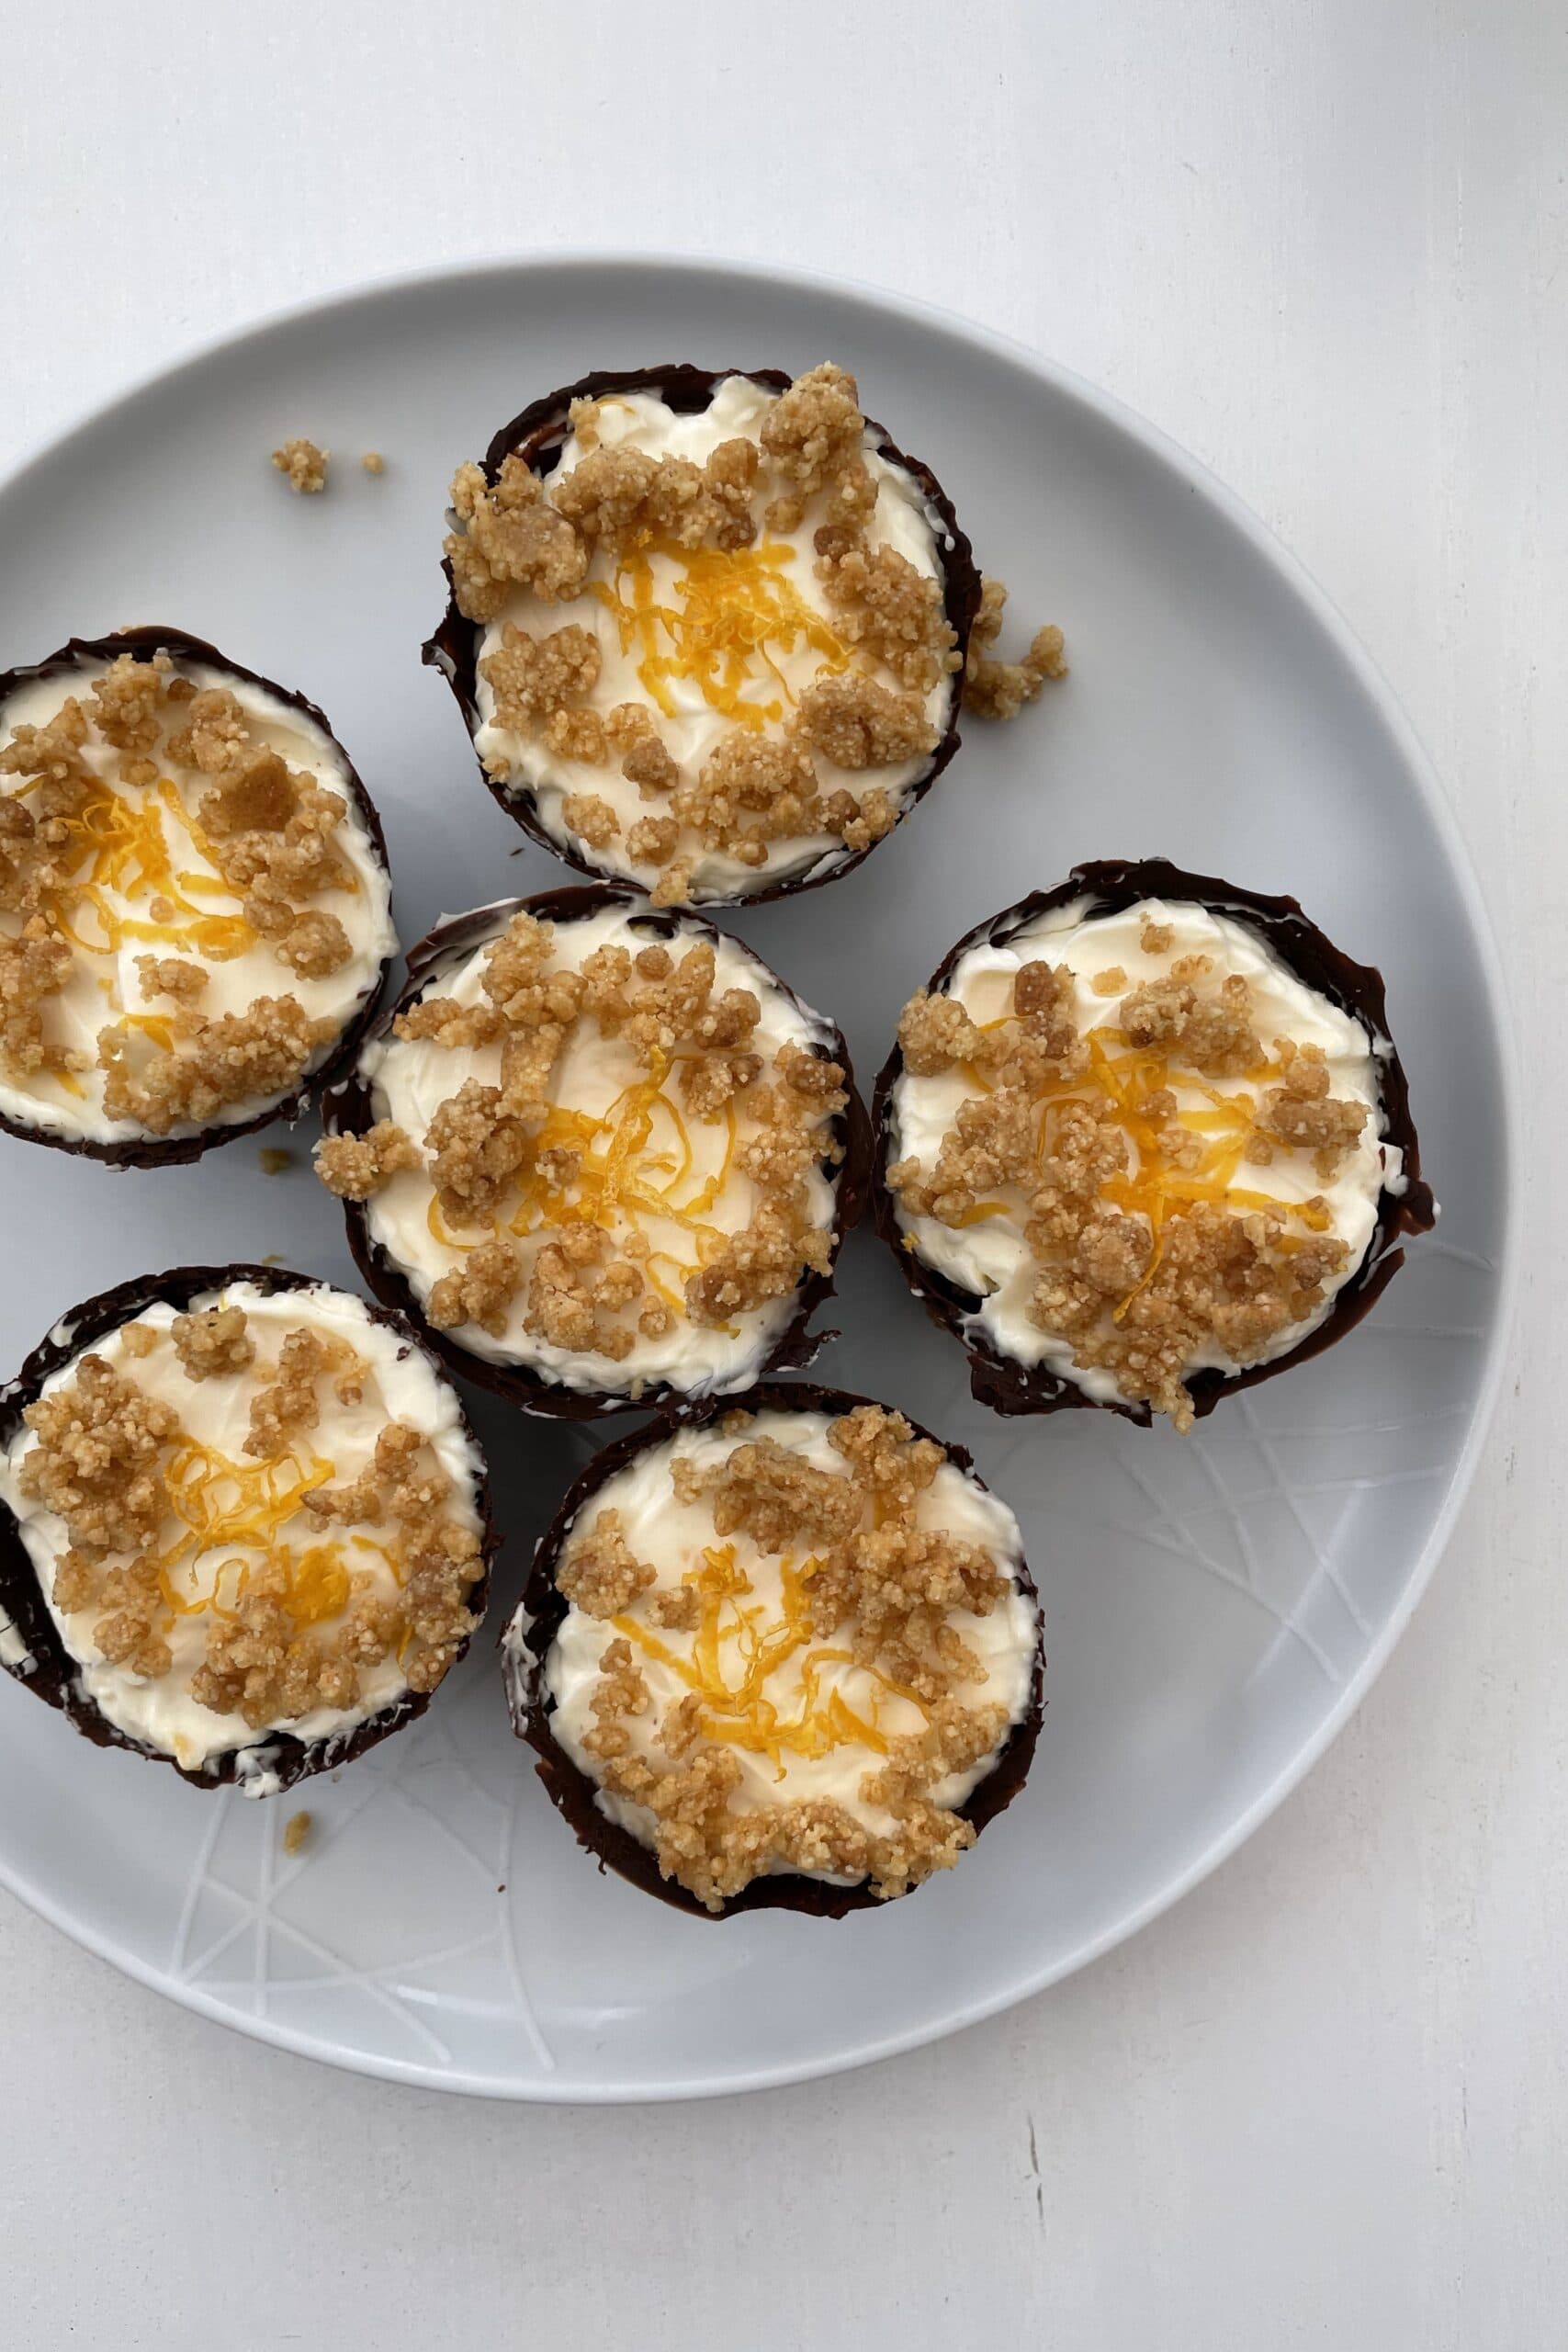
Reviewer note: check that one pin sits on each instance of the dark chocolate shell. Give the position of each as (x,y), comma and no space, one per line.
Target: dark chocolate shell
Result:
(174,1151)
(537,1619)
(47,1668)
(347,1109)
(537,435)
(1111,885)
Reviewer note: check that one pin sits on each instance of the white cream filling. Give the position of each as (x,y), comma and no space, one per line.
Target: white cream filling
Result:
(672,1537)
(104,984)
(903,520)
(991,1258)
(402,1385)
(409,1081)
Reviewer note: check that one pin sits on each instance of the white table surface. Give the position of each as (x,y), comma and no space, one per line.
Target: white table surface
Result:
(1325,2101)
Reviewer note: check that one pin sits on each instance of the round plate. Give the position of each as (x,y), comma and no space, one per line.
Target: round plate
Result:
(1215,1604)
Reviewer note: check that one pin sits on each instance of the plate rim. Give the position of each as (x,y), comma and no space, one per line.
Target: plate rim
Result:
(1198,477)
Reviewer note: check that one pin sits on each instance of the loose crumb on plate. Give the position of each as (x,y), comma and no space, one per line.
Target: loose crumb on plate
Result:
(295,1832)
(304,464)
(274,1157)
(374,462)
(994,689)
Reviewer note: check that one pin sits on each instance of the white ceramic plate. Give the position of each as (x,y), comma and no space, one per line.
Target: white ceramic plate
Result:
(1216,1605)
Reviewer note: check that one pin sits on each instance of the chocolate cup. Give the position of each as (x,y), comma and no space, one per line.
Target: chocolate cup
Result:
(1111,885)
(49,1670)
(347,1109)
(178,1152)
(537,435)
(543,1607)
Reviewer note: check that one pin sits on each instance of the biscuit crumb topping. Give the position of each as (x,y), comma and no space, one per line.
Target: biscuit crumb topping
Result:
(812,1570)
(692,572)
(149,810)
(263,1052)
(599,1575)
(356,1166)
(589,1229)
(1127,1150)
(513,537)
(213,1342)
(299,1591)
(858,724)
(303,465)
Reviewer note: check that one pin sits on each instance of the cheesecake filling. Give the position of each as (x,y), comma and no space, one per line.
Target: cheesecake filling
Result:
(258,1515)
(602,1153)
(192,908)
(795,1642)
(714,652)
(1142,1143)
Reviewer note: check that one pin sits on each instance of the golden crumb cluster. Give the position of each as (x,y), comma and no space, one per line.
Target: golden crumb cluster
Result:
(304,467)
(1151,1232)
(274,1565)
(123,790)
(552,1206)
(994,689)
(861,1579)
(873,624)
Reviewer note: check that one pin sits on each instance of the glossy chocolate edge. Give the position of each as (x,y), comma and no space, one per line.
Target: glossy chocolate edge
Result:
(542,1608)
(50,1673)
(144,643)
(1113,884)
(346,1109)
(538,432)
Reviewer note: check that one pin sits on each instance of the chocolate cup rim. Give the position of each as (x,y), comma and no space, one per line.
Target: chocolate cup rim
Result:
(178,1152)
(50,1671)
(453,648)
(543,1607)
(1356,989)
(346,1109)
